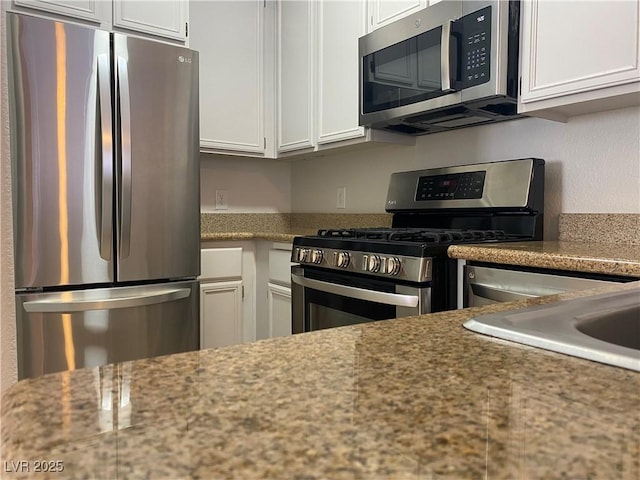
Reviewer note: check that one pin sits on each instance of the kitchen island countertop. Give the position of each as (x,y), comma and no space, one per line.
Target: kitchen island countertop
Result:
(411,398)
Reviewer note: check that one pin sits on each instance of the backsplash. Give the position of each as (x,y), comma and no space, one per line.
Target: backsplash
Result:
(614,228)
(301,222)
(245,222)
(295,223)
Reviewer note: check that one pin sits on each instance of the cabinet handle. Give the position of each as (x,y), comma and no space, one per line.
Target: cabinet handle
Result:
(498,294)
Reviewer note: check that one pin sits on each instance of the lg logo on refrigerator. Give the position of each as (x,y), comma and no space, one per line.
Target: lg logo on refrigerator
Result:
(182,59)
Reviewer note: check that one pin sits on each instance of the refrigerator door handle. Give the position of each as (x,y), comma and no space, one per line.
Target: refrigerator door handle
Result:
(63,305)
(125,156)
(104,159)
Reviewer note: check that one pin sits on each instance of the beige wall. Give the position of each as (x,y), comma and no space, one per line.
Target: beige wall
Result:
(593,164)
(254,185)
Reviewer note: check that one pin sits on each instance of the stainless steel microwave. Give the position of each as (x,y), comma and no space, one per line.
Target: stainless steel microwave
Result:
(451,65)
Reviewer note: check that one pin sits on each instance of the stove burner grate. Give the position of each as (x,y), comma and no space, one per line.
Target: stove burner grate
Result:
(431,236)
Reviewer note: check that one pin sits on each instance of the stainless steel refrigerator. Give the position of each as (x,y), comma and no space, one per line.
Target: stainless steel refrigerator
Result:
(106,195)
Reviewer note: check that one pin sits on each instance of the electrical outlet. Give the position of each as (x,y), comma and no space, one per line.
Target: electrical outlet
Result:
(341,200)
(222,202)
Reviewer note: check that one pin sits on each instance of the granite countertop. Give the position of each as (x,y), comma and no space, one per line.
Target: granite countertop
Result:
(619,259)
(275,237)
(411,398)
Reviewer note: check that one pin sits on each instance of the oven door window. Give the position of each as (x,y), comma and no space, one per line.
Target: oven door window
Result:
(327,310)
(405,73)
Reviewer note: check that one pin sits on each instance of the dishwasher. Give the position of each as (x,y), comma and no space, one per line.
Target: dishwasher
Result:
(487,284)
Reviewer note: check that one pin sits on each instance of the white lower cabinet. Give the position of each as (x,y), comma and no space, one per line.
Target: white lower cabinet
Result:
(273,279)
(279,307)
(245,292)
(221,312)
(279,290)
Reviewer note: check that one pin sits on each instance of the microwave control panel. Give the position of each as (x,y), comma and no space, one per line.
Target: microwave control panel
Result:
(475,30)
(452,186)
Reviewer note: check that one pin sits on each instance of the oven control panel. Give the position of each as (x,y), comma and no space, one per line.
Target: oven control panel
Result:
(415,269)
(451,186)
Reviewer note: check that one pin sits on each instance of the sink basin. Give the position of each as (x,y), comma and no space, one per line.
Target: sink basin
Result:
(621,327)
(604,328)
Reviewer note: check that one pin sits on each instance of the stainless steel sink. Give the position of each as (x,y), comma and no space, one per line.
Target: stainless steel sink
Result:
(604,328)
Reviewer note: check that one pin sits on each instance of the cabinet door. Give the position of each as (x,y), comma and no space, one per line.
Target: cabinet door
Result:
(229,37)
(295,56)
(340,24)
(81,9)
(220,314)
(279,310)
(167,18)
(383,12)
(573,47)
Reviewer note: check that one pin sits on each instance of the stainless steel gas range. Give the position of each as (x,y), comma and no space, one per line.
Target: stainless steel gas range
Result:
(349,276)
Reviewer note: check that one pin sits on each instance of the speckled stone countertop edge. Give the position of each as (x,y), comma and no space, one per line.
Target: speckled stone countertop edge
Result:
(598,258)
(221,236)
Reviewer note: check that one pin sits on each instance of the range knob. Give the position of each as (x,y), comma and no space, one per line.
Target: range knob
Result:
(393,265)
(317,256)
(302,254)
(373,263)
(342,259)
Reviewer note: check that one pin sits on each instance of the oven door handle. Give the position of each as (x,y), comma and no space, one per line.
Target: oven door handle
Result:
(359,293)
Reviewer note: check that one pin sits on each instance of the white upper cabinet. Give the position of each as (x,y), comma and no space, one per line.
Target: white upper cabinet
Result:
(317,77)
(295,46)
(229,37)
(340,24)
(91,10)
(383,12)
(167,19)
(579,56)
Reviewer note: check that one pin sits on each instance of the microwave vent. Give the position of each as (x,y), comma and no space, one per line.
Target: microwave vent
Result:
(408,129)
(455,117)
(462,121)
(504,109)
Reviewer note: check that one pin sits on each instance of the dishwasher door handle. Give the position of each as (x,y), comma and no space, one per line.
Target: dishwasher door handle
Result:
(498,294)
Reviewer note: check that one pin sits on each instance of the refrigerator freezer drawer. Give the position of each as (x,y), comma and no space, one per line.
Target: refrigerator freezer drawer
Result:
(69,330)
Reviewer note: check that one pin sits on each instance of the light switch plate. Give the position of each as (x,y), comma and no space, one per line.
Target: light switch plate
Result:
(341,200)
(222,200)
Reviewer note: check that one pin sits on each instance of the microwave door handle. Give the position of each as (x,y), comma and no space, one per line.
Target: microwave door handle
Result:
(445,63)
(385,298)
